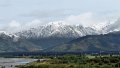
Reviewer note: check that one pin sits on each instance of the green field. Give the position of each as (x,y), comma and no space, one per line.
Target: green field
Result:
(75,61)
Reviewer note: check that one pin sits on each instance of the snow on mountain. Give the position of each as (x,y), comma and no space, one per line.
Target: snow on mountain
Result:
(108,27)
(5,35)
(100,26)
(57,29)
(60,29)
(111,27)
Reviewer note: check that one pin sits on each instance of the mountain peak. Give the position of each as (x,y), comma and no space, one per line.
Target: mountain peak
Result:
(6,35)
(57,23)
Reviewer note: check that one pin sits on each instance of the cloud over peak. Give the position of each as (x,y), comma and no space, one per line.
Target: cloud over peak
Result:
(85,19)
(14,23)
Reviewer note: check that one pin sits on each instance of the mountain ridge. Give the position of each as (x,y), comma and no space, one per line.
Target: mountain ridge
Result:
(13,43)
(61,29)
(104,42)
(53,34)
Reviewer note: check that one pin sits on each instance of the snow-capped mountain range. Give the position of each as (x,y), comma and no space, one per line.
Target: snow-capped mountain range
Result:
(60,29)
(57,30)
(42,37)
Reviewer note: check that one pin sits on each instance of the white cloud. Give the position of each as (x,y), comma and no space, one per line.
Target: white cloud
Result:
(35,22)
(14,24)
(85,19)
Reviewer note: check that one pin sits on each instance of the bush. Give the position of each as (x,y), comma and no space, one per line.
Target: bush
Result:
(117,64)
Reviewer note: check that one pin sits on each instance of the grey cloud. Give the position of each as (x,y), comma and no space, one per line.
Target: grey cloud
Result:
(5,3)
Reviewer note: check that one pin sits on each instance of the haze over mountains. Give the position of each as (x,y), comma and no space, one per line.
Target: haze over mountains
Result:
(54,36)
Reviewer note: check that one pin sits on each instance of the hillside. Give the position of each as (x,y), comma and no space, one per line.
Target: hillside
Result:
(13,43)
(109,41)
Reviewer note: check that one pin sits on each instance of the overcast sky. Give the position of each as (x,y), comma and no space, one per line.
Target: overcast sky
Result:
(14,13)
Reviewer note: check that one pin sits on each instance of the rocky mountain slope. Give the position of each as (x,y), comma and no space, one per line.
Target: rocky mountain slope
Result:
(60,29)
(109,42)
(13,43)
(55,33)
(57,29)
